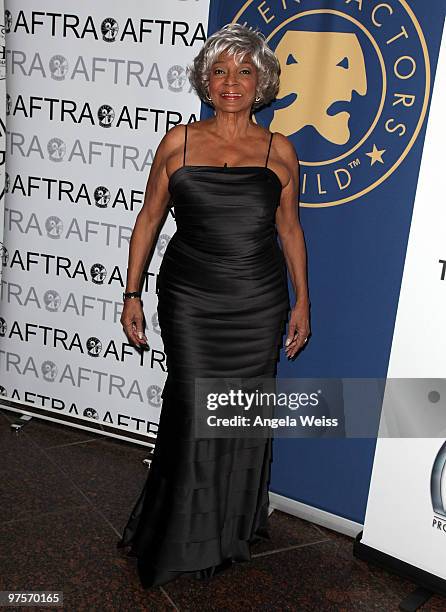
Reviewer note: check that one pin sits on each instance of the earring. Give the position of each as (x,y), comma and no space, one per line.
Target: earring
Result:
(208,97)
(258,99)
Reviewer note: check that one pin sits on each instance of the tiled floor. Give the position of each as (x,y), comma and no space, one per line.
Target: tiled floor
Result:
(65,496)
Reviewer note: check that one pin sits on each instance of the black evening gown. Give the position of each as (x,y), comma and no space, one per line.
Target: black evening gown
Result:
(222,308)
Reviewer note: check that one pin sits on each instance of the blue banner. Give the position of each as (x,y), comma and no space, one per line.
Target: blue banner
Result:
(355,91)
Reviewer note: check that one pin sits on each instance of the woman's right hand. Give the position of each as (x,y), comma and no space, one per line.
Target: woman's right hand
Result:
(132,318)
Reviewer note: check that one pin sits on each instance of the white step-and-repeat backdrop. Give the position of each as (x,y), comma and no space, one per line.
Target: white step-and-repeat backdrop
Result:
(2,130)
(91,92)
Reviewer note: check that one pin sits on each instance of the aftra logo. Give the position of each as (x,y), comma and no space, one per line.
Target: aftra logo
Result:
(2,53)
(176,78)
(54,227)
(154,396)
(64,191)
(52,300)
(354,89)
(58,67)
(108,30)
(4,256)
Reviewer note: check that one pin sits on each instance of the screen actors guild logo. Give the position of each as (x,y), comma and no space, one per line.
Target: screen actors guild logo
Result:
(54,227)
(106,114)
(343,72)
(109,29)
(52,300)
(98,273)
(58,66)
(56,149)
(3,327)
(2,391)
(101,196)
(354,90)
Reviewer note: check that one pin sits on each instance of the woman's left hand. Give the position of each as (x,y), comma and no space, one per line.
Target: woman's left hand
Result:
(298,328)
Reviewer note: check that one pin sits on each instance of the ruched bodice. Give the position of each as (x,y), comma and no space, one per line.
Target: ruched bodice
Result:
(222,310)
(226,212)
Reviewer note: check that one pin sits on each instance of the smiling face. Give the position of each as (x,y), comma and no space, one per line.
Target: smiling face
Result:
(232,86)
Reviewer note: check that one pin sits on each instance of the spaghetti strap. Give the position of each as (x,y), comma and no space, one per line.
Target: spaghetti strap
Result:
(185,140)
(269,148)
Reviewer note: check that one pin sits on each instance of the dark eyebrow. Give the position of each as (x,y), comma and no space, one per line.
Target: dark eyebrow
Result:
(241,63)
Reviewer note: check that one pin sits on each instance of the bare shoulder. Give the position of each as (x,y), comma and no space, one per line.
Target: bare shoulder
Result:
(170,148)
(285,149)
(200,125)
(172,140)
(284,155)
(172,144)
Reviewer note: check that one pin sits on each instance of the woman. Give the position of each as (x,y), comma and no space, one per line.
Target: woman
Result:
(222,308)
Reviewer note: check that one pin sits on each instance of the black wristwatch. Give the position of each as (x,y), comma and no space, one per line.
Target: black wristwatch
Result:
(131,294)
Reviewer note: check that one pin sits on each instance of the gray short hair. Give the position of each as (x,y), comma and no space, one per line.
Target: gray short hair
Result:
(237,40)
